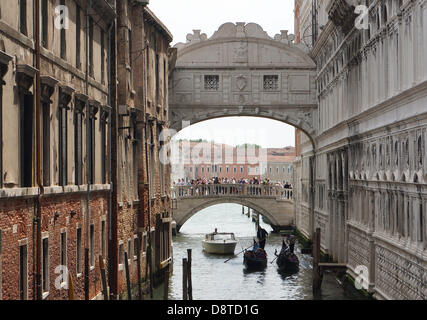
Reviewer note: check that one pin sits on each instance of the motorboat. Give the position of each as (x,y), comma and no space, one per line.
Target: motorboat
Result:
(219,243)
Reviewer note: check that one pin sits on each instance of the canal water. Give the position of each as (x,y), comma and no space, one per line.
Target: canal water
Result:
(215,280)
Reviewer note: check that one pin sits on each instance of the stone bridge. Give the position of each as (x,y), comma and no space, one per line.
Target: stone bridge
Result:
(273,202)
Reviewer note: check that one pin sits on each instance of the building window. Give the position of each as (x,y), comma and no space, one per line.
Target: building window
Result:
(63,35)
(79,251)
(44,22)
(129,252)
(102,56)
(92,245)
(234,169)
(63,144)
(152,159)
(135,247)
(78,147)
(227,169)
(271,83)
(249,170)
(241,169)
(103,246)
(277,169)
(203,169)
(46,143)
(121,256)
(26,131)
(104,145)
(45,265)
(212,82)
(63,244)
(23,272)
(91,46)
(157,75)
(23,17)
(78,36)
(271,169)
(91,146)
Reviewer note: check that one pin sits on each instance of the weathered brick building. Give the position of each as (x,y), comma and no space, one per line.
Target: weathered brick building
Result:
(73,78)
(143,188)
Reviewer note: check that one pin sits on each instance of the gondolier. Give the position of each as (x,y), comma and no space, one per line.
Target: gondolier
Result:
(262,236)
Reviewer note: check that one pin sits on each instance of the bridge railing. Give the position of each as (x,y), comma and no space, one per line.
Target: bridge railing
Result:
(231,190)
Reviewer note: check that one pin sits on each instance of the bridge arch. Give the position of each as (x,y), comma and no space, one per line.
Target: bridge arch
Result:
(247,203)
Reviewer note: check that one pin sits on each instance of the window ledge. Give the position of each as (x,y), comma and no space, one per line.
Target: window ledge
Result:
(45,295)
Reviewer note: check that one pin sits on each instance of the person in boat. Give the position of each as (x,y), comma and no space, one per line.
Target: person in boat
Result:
(291,240)
(256,246)
(216,230)
(262,236)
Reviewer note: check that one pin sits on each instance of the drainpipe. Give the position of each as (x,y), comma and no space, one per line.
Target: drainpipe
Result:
(38,217)
(86,276)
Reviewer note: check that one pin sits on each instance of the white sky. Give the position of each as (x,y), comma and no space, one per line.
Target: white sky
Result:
(182,16)
(239,130)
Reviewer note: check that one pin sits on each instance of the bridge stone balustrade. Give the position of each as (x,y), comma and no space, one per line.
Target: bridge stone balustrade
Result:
(273,202)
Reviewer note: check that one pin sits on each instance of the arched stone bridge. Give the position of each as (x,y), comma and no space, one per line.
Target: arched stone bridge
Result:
(273,202)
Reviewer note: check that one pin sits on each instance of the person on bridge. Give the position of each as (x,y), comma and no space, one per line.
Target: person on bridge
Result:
(262,236)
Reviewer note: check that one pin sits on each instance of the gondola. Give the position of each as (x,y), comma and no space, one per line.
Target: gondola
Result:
(255,260)
(287,261)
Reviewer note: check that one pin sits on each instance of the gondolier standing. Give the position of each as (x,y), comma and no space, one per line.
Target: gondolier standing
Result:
(262,236)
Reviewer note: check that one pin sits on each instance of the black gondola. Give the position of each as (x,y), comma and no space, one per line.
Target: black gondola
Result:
(287,261)
(255,260)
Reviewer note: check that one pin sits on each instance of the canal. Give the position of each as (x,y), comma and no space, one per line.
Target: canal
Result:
(215,280)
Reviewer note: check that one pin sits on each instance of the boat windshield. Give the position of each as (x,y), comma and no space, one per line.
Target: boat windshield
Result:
(223,237)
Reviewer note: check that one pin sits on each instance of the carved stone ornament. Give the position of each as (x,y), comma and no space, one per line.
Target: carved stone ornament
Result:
(241,82)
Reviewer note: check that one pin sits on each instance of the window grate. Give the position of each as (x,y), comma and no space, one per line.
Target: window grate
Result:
(212,83)
(271,83)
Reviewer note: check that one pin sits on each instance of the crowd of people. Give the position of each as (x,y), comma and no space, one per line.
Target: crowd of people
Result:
(217,180)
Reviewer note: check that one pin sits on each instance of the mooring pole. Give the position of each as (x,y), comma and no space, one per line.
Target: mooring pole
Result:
(128,276)
(190,284)
(184,279)
(317,281)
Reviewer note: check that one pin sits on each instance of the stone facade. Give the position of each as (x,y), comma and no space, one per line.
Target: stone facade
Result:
(144,216)
(369,162)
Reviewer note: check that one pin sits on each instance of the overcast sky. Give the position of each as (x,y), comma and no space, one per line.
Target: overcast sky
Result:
(182,16)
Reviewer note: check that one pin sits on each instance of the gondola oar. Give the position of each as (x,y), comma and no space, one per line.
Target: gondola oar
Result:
(241,251)
(275,252)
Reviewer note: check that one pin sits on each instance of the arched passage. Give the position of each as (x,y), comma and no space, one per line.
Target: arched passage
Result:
(280,213)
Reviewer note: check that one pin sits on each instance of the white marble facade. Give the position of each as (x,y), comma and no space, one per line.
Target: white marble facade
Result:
(370,193)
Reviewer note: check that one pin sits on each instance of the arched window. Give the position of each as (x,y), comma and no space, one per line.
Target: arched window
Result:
(420,151)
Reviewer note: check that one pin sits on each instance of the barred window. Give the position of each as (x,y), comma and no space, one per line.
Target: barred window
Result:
(271,82)
(212,83)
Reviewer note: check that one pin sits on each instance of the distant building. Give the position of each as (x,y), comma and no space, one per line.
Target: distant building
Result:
(205,160)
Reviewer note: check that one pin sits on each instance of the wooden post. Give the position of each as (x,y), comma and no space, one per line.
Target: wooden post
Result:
(138,268)
(103,277)
(184,279)
(166,285)
(317,281)
(70,287)
(190,284)
(128,276)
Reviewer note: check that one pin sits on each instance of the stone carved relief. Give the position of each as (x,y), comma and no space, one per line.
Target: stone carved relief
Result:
(241,53)
(241,82)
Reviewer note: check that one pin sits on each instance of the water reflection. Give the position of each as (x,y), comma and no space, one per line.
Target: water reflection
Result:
(215,279)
